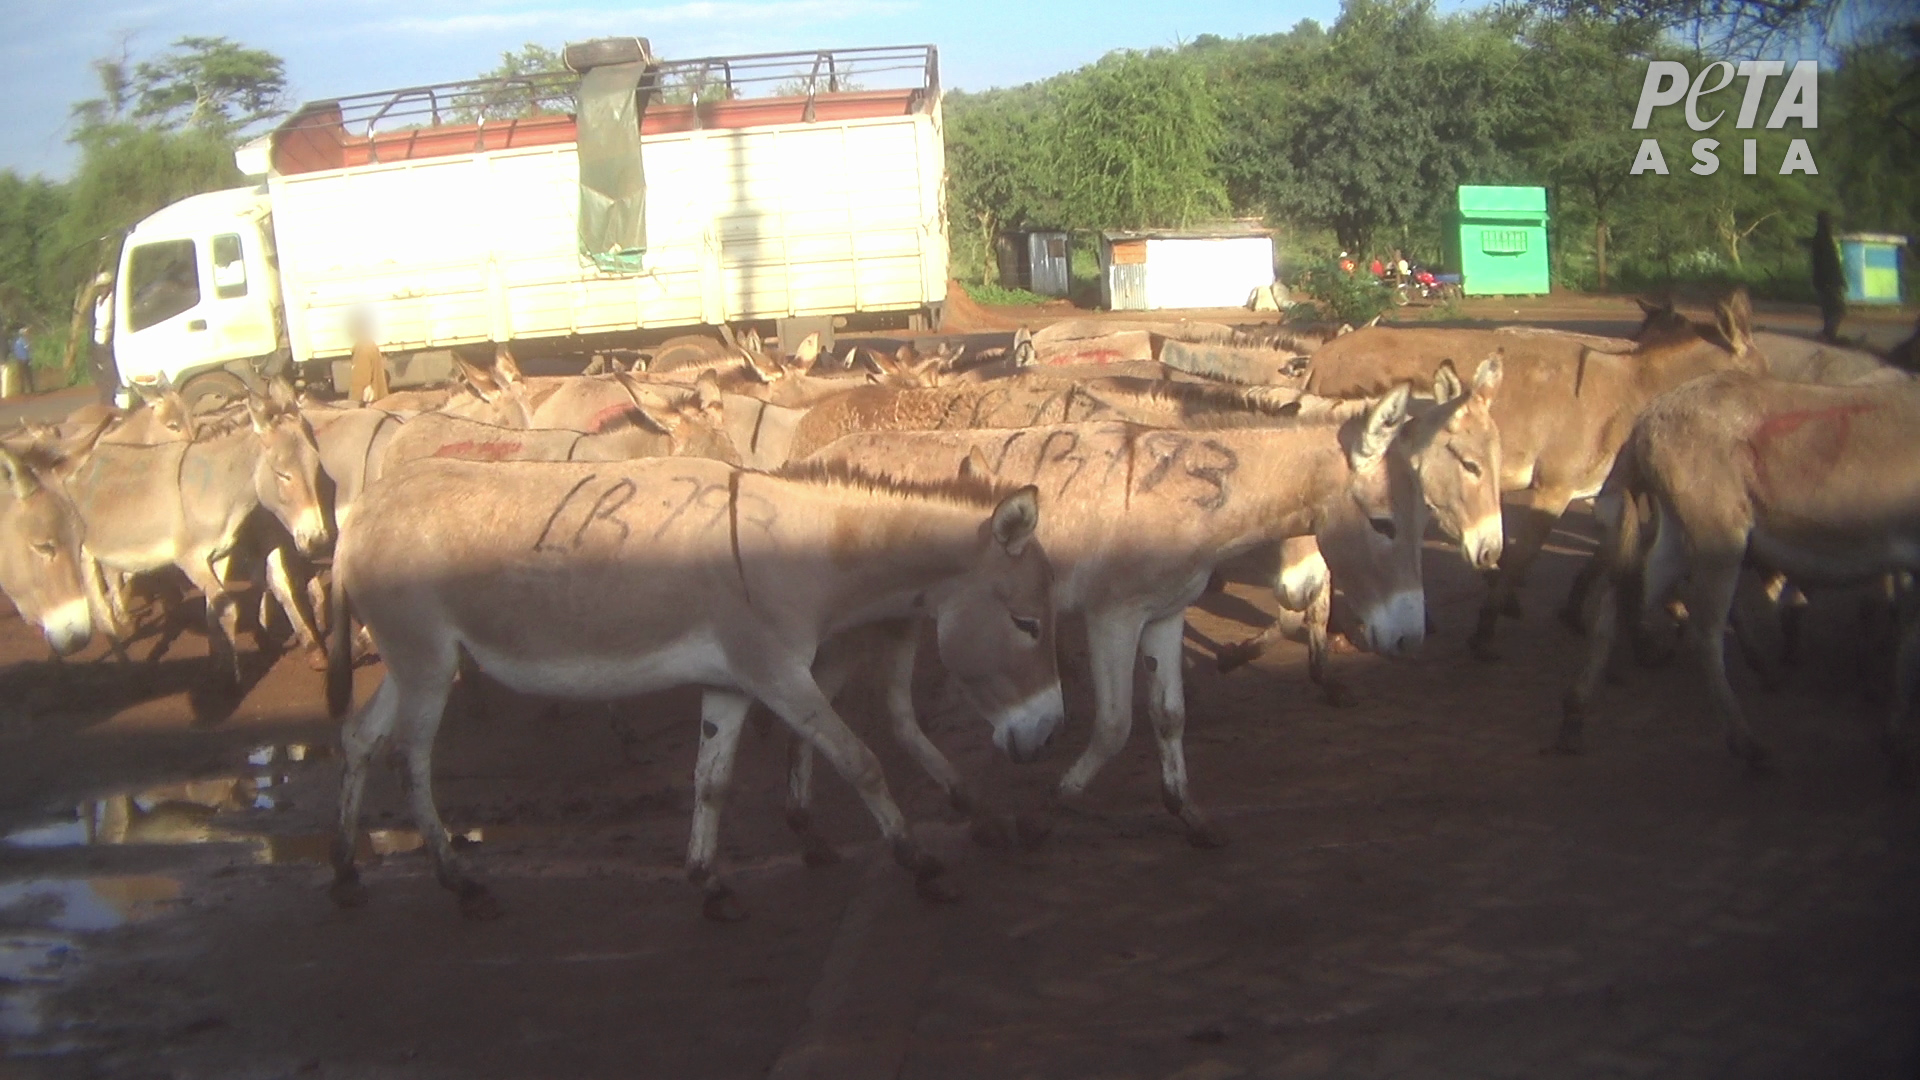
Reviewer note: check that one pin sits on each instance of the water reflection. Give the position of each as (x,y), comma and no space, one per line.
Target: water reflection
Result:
(186,812)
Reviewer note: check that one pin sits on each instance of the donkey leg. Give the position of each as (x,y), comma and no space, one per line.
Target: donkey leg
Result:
(1573,612)
(359,738)
(1537,516)
(292,601)
(721,715)
(798,700)
(1601,633)
(832,666)
(223,616)
(1716,575)
(1319,614)
(418,716)
(1162,648)
(1113,640)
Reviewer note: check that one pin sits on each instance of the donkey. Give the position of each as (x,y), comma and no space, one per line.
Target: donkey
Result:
(1821,483)
(184,503)
(1143,516)
(1564,409)
(41,567)
(732,580)
(1303,583)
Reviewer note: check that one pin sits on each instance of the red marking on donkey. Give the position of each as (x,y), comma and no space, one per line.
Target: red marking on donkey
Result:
(1822,448)
(479,451)
(607,417)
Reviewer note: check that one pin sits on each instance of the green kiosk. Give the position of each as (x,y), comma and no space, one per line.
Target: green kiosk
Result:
(1499,244)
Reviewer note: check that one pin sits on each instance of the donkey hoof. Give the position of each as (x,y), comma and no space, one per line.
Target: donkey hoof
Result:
(1339,696)
(816,852)
(478,904)
(317,659)
(1234,656)
(723,906)
(936,889)
(1032,829)
(1205,835)
(347,893)
(990,831)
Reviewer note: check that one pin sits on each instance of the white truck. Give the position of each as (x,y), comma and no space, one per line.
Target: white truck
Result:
(802,191)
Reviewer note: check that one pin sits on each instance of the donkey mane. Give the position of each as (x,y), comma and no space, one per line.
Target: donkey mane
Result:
(1261,400)
(960,490)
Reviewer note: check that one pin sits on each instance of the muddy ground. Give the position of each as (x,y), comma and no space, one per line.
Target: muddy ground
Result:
(1410,887)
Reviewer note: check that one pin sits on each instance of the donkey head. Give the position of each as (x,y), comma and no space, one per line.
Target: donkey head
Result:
(1369,533)
(995,626)
(1456,450)
(286,475)
(40,563)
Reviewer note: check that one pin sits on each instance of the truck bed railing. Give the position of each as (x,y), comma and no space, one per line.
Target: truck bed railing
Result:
(802,74)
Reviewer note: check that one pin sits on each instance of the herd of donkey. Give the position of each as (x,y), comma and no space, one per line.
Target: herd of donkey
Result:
(770,526)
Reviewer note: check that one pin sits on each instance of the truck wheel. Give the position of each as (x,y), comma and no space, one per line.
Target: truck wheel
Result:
(211,391)
(687,351)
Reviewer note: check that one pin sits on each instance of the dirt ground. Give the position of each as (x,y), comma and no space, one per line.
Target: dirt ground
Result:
(1410,889)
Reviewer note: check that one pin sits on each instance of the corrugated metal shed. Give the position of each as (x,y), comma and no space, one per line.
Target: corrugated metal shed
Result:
(1216,266)
(1034,259)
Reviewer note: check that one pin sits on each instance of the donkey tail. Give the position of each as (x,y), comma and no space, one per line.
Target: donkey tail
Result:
(339,643)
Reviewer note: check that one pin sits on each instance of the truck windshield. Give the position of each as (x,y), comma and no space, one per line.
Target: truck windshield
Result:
(163,281)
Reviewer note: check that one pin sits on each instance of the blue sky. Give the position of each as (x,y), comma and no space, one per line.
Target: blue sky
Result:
(335,47)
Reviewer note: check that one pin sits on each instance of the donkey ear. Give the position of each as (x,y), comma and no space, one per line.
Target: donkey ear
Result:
(1446,383)
(479,379)
(1024,354)
(706,390)
(1486,378)
(1734,317)
(506,370)
(974,466)
(170,411)
(17,476)
(260,411)
(808,350)
(1015,519)
(1382,423)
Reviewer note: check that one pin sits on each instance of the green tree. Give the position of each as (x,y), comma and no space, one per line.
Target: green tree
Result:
(1374,129)
(208,83)
(996,176)
(532,81)
(1136,143)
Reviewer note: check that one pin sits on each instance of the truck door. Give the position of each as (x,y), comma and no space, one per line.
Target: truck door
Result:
(162,332)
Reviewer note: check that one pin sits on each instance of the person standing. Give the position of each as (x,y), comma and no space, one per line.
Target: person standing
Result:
(106,374)
(23,355)
(1829,282)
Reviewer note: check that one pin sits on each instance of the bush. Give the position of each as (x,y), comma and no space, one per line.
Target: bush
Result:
(1343,297)
(1000,296)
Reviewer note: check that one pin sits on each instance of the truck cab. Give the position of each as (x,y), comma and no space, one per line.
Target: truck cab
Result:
(196,307)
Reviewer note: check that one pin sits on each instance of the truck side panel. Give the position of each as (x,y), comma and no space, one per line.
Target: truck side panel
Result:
(797,219)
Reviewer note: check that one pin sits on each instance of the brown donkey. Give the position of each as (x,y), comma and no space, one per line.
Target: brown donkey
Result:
(1821,483)
(1564,408)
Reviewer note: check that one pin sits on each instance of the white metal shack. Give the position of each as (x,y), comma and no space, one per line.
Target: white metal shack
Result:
(1216,266)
